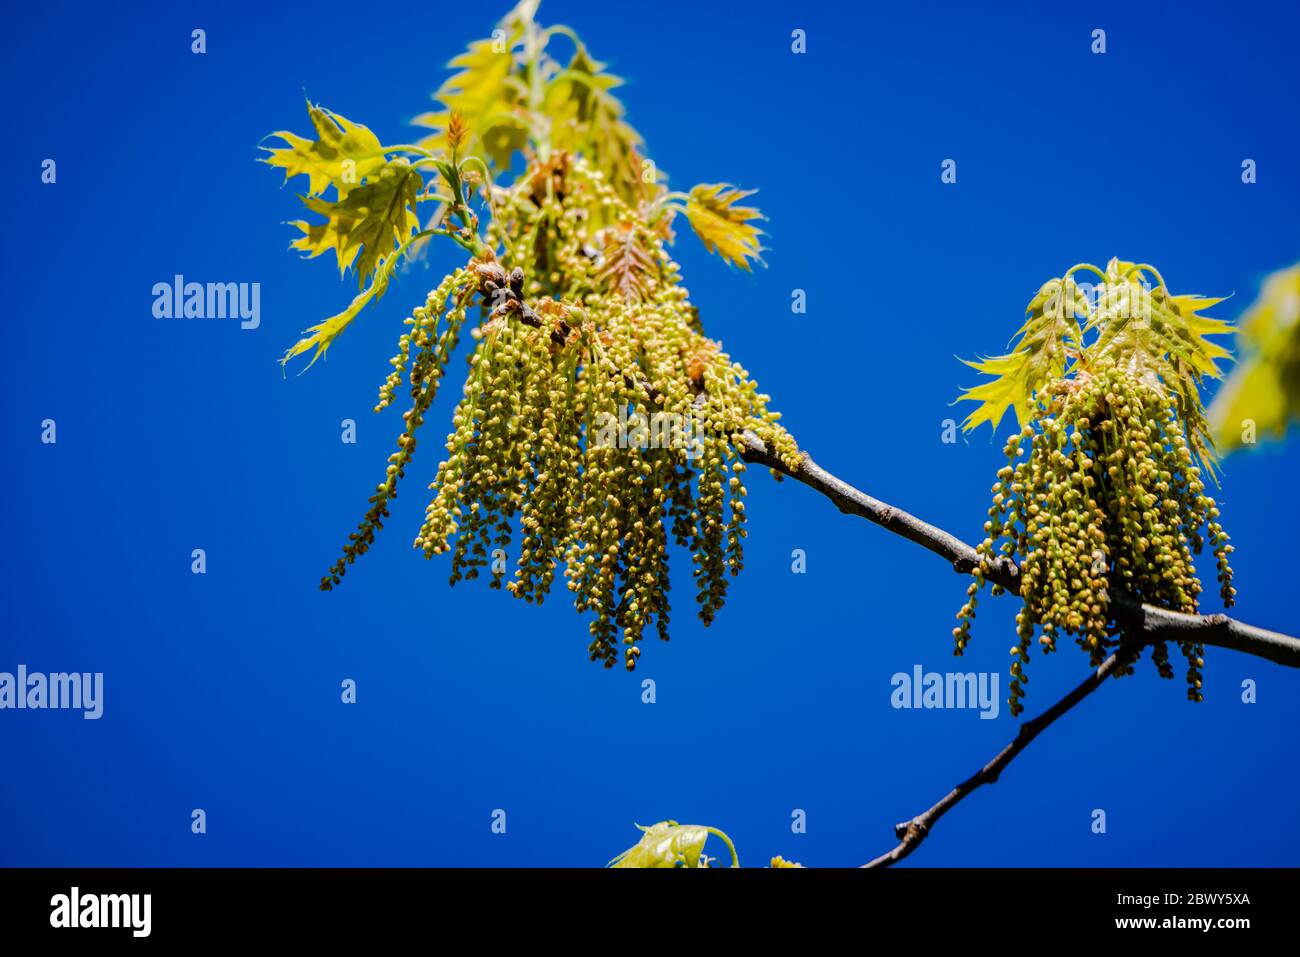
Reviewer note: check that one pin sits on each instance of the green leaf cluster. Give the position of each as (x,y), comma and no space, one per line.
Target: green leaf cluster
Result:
(527,97)
(1130,321)
(1262,395)
(669,844)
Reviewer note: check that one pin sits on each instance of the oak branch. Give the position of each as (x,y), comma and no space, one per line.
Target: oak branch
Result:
(1141,624)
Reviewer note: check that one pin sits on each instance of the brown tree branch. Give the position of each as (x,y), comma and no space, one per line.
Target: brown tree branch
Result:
(1142,625)
(911,833)
(1146,623)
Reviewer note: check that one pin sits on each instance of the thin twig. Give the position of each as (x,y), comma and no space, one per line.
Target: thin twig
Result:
(1142,625)
(911,833)
(1147,621)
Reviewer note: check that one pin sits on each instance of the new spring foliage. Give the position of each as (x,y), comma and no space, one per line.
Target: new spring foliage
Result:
(578,318)
(1261,397)
(1104,486)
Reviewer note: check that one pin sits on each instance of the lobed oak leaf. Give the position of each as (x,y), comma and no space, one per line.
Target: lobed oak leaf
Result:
(669,844)
(342,155)
(369,222)
(1043,345)
(320,337)
(585,117)
(723,226)
(1264,390)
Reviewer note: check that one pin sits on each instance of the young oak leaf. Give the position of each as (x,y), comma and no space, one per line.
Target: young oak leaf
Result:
(487,93)
(1157,330)
(723,226)
(580,93)
(1189,307)
(669,844)
(1194,361)
(1263,393)
(1162,340)
(585,117)
(342,155)
(320,336)
(1043,345)
(318,238)
(369,222)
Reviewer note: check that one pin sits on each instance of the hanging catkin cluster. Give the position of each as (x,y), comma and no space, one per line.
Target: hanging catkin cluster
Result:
(597,425)
(1102,489)
(598,429)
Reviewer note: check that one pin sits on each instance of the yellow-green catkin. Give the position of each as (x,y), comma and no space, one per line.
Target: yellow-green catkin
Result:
(598,428)
(1100,490)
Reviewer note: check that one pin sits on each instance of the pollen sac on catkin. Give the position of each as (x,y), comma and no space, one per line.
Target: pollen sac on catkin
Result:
(597,429)
(1104,490)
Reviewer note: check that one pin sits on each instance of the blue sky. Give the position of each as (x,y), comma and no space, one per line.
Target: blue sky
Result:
(222,690)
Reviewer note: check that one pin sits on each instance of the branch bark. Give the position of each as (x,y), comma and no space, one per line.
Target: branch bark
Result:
(1142,624)
(911,833)
(1146,623)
